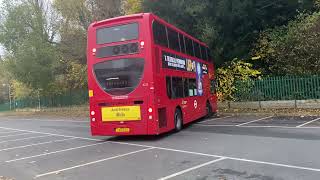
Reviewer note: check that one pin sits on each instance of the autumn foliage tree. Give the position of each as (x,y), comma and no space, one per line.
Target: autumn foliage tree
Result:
(292,49)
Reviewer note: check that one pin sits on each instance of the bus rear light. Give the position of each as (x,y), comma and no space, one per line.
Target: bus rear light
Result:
(93,119)
(93,113)
(90,93)
(150,110)
(150,117)
(142,44)
(94,50)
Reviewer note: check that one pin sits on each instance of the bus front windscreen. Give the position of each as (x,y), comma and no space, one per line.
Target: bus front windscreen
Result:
(120,76)
(118,33)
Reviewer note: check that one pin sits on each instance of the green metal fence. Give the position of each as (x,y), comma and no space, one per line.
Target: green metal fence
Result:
(279,88)
(271,88)
(5,107)
(72,98)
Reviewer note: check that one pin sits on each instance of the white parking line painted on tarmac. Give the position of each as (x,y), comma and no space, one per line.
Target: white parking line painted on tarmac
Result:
(227,157)
(35,144)
(8,132)
(281,127)
(34,137)
(93,162)
(214,119)
(183,151)
(254,121)
(191,169)
(50,134)
(11,135)
(47,120)
(55,152)
(309,122)
(214,125)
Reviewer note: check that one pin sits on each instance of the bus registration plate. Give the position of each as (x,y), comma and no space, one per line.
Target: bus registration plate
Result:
(122,130)
(121,113)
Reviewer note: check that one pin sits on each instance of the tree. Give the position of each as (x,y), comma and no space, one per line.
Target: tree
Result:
(28,33)
(77,15)
(132,6)
(229,27)
(317,3)
(233,72)
(291,49)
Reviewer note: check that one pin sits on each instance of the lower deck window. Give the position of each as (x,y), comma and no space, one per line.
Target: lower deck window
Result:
(178,87)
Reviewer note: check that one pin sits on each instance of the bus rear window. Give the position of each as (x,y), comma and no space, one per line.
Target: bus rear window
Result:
(119,76)
(118,33)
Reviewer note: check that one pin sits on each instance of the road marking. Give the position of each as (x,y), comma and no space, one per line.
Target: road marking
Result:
(93,162)
(283,127)
(55,152)
(167,149)
(36,144)
(275,164)
(34,137)
(182,151)
(215,125)
(214,119)
(309,122)
(191,169)
(8,132)
(51,134)
(11,135)
(226,157)
(254,121)
(41,120)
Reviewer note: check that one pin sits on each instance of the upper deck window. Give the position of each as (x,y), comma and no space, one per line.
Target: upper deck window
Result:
(197,50)
(159,34)
(189,46)
(173,40)
(118,33)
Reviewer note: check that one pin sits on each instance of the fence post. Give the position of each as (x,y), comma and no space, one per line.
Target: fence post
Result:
(39,102)
(260,107)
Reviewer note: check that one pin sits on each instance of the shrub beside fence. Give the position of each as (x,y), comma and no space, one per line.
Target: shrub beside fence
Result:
(279,88)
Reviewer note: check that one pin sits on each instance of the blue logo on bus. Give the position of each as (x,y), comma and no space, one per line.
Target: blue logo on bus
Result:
(199,79)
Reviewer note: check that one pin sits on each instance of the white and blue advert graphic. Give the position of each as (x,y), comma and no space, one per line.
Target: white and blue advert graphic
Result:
(199,79)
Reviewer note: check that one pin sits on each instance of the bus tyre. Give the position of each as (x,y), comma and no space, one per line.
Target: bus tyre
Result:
(178,120)
(209,110)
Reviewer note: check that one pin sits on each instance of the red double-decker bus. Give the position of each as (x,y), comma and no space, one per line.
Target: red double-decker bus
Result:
(146,77)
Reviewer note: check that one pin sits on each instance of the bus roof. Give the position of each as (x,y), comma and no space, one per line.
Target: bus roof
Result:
(141,15)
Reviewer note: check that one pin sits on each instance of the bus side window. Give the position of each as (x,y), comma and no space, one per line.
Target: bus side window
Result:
(192,87)
(197,49)
(189,46)
(182,45)
(186,87)
(168,87)
(204,53)
(177,87)
(173,39)
(212,86)
(159,34)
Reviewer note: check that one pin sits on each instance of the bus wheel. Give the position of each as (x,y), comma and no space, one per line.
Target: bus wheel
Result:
(209,110)
(178,120)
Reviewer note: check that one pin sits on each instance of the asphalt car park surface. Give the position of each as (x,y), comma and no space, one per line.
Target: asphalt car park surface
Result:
(224,148)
